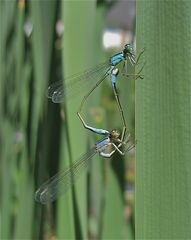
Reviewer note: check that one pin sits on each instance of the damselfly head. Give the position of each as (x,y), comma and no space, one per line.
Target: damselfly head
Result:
(128,51)
(128,48)
(114,134)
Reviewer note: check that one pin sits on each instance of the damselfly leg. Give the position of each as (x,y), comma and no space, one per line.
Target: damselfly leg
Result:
(134,63)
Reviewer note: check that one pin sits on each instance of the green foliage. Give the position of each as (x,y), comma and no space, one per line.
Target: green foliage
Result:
(163,124)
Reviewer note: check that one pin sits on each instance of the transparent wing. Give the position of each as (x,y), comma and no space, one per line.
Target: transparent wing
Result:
(77,83)
(128,145)
(62,181)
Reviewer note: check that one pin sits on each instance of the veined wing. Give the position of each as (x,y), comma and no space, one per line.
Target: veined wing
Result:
(128,144)
(77,83)
(62,181)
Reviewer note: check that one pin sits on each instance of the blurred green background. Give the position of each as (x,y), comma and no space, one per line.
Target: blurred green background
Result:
(42,42)
(45,41)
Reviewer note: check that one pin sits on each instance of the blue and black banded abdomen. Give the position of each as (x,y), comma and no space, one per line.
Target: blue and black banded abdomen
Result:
(117,58)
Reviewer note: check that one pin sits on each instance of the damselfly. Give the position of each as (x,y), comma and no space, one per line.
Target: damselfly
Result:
(61,182)
(60,91)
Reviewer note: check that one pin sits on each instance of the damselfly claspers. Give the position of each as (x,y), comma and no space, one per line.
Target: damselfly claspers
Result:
(114,74)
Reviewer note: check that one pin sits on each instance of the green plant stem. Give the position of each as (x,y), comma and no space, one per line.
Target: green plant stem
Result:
(163,121)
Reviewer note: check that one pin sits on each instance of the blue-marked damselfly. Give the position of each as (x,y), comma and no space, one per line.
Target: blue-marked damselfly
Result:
(59,92)
(62,181)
